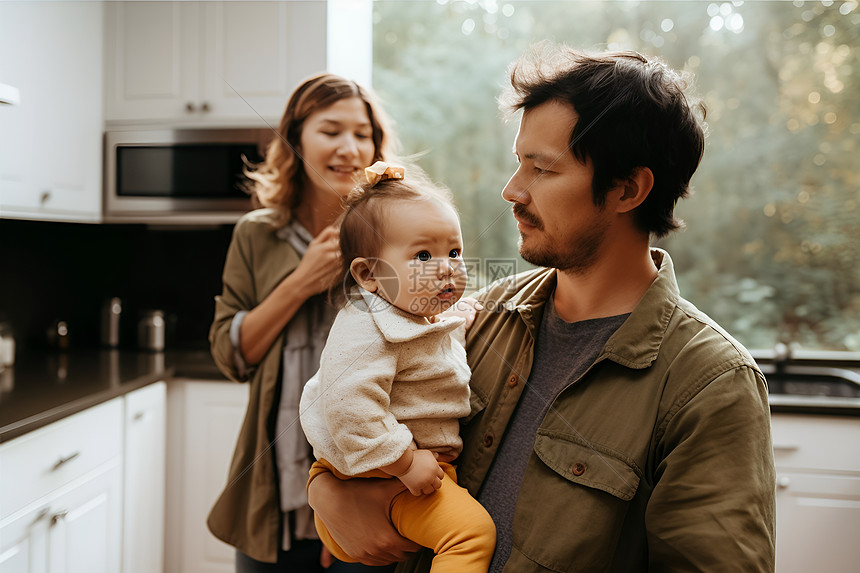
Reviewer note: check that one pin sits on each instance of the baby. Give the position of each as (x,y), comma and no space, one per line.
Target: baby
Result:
(393,378)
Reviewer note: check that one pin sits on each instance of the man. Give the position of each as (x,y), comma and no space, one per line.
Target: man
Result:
(614,426)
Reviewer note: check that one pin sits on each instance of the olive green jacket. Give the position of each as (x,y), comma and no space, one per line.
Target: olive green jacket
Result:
(658,458)
(247,514)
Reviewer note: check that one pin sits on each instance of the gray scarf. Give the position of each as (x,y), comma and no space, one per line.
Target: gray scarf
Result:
(305,337)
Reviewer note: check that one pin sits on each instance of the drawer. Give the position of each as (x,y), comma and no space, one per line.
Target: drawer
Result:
(816,442)
(43,460)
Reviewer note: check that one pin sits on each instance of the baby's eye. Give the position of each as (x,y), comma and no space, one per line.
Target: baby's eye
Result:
(423,256)
(455,253)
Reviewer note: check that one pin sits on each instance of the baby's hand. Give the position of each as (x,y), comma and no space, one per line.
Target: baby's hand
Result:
(424,474)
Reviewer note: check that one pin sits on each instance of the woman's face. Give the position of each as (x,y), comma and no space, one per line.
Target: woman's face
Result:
(336,145)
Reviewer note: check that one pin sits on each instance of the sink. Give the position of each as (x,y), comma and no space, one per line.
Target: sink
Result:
(796,380)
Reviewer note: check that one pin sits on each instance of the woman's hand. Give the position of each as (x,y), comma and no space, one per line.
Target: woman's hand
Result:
(320,268)
(356,515)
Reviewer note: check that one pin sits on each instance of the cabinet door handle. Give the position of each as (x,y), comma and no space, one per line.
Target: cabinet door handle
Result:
(783,482)
(190,107)
(65,460)
(58,516)
(138,416)
(205,107)
(44,197)
(785,448)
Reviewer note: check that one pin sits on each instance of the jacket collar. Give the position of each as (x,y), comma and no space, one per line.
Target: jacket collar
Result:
(397,325)
(637,342)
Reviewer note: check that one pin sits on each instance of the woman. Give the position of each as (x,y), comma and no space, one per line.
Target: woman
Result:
(272,318)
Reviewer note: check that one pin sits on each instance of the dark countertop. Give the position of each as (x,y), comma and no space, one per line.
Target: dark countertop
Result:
(43,387)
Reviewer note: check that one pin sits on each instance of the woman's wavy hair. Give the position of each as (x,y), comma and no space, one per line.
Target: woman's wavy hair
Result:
(633,111)
(278,182)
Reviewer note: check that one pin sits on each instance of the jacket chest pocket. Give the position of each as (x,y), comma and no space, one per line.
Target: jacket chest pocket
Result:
(572,505)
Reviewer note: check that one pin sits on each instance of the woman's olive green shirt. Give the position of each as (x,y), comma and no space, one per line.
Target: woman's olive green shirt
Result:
(247,514)
(658,458)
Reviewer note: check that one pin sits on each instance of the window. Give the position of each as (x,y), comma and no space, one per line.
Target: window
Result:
(772,245)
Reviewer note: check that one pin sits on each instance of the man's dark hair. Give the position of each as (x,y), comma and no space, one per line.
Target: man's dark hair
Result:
(632,112)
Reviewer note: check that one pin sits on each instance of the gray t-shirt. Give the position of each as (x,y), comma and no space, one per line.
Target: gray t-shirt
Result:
(563,352)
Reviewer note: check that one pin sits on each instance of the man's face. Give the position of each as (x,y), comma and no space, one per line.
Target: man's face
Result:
(559,224)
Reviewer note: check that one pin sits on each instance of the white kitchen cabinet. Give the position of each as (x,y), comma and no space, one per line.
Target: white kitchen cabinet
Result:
(78,530)
(204,418)
(61,495)
(84,524)
(87,493)
(209,62)
(818,493)
(51,144)
(144,479)
(24,542)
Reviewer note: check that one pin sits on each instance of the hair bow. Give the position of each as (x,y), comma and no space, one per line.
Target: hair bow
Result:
(381,171)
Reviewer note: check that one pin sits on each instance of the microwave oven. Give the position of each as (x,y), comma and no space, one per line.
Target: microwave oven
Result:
(179,176)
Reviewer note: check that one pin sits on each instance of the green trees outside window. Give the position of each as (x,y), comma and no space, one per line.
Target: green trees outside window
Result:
(772,245)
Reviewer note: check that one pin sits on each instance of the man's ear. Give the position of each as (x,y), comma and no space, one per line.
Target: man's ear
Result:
(361,270)
(635,189)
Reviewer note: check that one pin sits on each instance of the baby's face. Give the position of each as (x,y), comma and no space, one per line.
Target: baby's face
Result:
(420,267)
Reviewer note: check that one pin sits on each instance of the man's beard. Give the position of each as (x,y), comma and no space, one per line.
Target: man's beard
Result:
(576,255)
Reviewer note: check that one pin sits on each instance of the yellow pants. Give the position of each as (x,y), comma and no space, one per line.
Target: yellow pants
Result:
(449,521)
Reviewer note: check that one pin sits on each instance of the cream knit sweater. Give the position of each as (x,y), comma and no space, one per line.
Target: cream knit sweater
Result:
(386,378)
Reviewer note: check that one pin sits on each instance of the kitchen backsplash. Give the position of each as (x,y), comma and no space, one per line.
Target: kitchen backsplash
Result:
(66,271)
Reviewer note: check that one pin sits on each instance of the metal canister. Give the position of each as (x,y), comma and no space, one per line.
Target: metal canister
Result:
(7,345)
(111,312)
(150,330)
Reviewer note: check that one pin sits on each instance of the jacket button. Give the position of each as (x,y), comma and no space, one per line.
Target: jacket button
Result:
(512,381)
(488,440)
(577,469)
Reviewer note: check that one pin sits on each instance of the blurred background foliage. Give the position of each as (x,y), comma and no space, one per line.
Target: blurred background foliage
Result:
(772,245)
